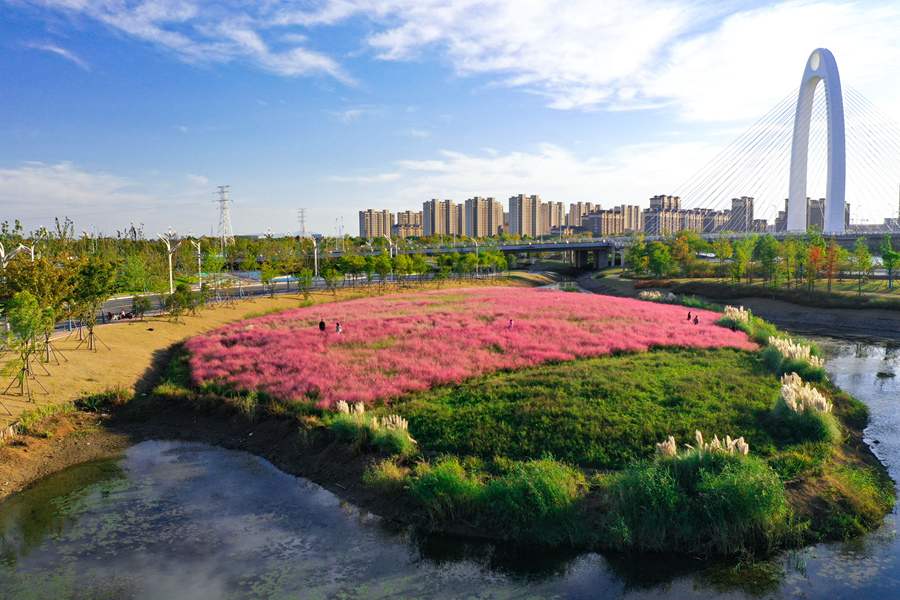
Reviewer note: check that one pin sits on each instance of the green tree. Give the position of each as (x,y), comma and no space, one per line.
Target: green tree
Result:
(304,279)
(769,249)
(861,262)
(94,284)
(27,324)
(682,254)
(659,259)
(636,257)
(140,305)
(790,252)
(722,249)
(267,276)
(890,259)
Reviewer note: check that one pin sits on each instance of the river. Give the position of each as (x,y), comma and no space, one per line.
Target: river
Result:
(181,520)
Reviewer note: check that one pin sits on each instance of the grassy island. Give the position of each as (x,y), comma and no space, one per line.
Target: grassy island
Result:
(553,418)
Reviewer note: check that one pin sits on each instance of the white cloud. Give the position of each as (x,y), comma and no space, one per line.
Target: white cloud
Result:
(36,193)
(210,32)
(67,54)
(705,59)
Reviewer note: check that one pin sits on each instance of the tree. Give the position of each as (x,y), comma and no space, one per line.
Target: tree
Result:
(768,250)
(659,260)
(815,261)
(741,259)
(27,324)
(267,276)
(94,284)
(682,254)
(861,262)
(331,277)
(834,255)
(381,264)
(722,249)
(636,257)
(890,259)
(790,250)
(140,305)
(304,279)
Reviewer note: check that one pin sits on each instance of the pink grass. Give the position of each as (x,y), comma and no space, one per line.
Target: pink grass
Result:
(399,344)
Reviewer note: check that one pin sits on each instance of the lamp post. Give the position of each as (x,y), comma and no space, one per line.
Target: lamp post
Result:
(315,256)
(199,256)
(477,255)
(390,246)
(168,239)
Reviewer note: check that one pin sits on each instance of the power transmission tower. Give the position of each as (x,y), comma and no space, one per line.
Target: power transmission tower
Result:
(301,216)
(226,234)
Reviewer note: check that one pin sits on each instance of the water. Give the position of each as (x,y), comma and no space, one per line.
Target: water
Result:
(179,520)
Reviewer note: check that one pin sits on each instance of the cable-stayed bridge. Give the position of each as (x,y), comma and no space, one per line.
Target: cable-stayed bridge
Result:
(826,142)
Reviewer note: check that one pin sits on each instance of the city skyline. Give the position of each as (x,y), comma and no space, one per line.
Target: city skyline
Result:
(119,114)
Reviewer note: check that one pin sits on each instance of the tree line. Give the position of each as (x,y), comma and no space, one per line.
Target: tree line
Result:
(796,262)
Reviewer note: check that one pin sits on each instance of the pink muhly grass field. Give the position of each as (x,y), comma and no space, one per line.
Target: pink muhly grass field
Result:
(399,344)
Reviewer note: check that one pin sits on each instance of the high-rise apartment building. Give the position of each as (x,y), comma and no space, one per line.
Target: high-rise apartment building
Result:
(525,216)
(741,216)
(578,210)
(409,224)
(375,223)
(484,217)
(440,217)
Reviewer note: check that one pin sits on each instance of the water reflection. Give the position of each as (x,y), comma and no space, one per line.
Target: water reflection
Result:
(177,520)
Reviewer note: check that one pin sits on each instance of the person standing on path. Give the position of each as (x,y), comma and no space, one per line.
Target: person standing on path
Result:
(322,325)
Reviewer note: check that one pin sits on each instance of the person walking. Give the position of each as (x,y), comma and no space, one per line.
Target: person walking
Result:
(338,328)
(322,325)
(696,320)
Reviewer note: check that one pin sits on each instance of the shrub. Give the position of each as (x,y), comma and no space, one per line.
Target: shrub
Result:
(537,499)
(443,490)
(790,427)
(703,502)
(389,433)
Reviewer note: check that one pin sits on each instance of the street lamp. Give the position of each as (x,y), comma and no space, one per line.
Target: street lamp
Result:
(477,255)
(390,246)
(199,271)
(168,239)
(315,256)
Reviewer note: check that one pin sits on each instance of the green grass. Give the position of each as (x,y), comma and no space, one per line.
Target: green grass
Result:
(536,500)
(700,503)
(604,413)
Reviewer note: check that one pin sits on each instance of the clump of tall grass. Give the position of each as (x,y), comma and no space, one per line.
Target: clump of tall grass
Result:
(737,315)
(786,356)
(389,433)
(706,502)
(669,448)
(535,500)
(800,396)
(795,351)
(802,414)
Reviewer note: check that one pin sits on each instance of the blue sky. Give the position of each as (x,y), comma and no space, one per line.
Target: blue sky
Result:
(129,111)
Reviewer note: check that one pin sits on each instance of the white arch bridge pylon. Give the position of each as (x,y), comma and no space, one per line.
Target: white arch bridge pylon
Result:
(821,66)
